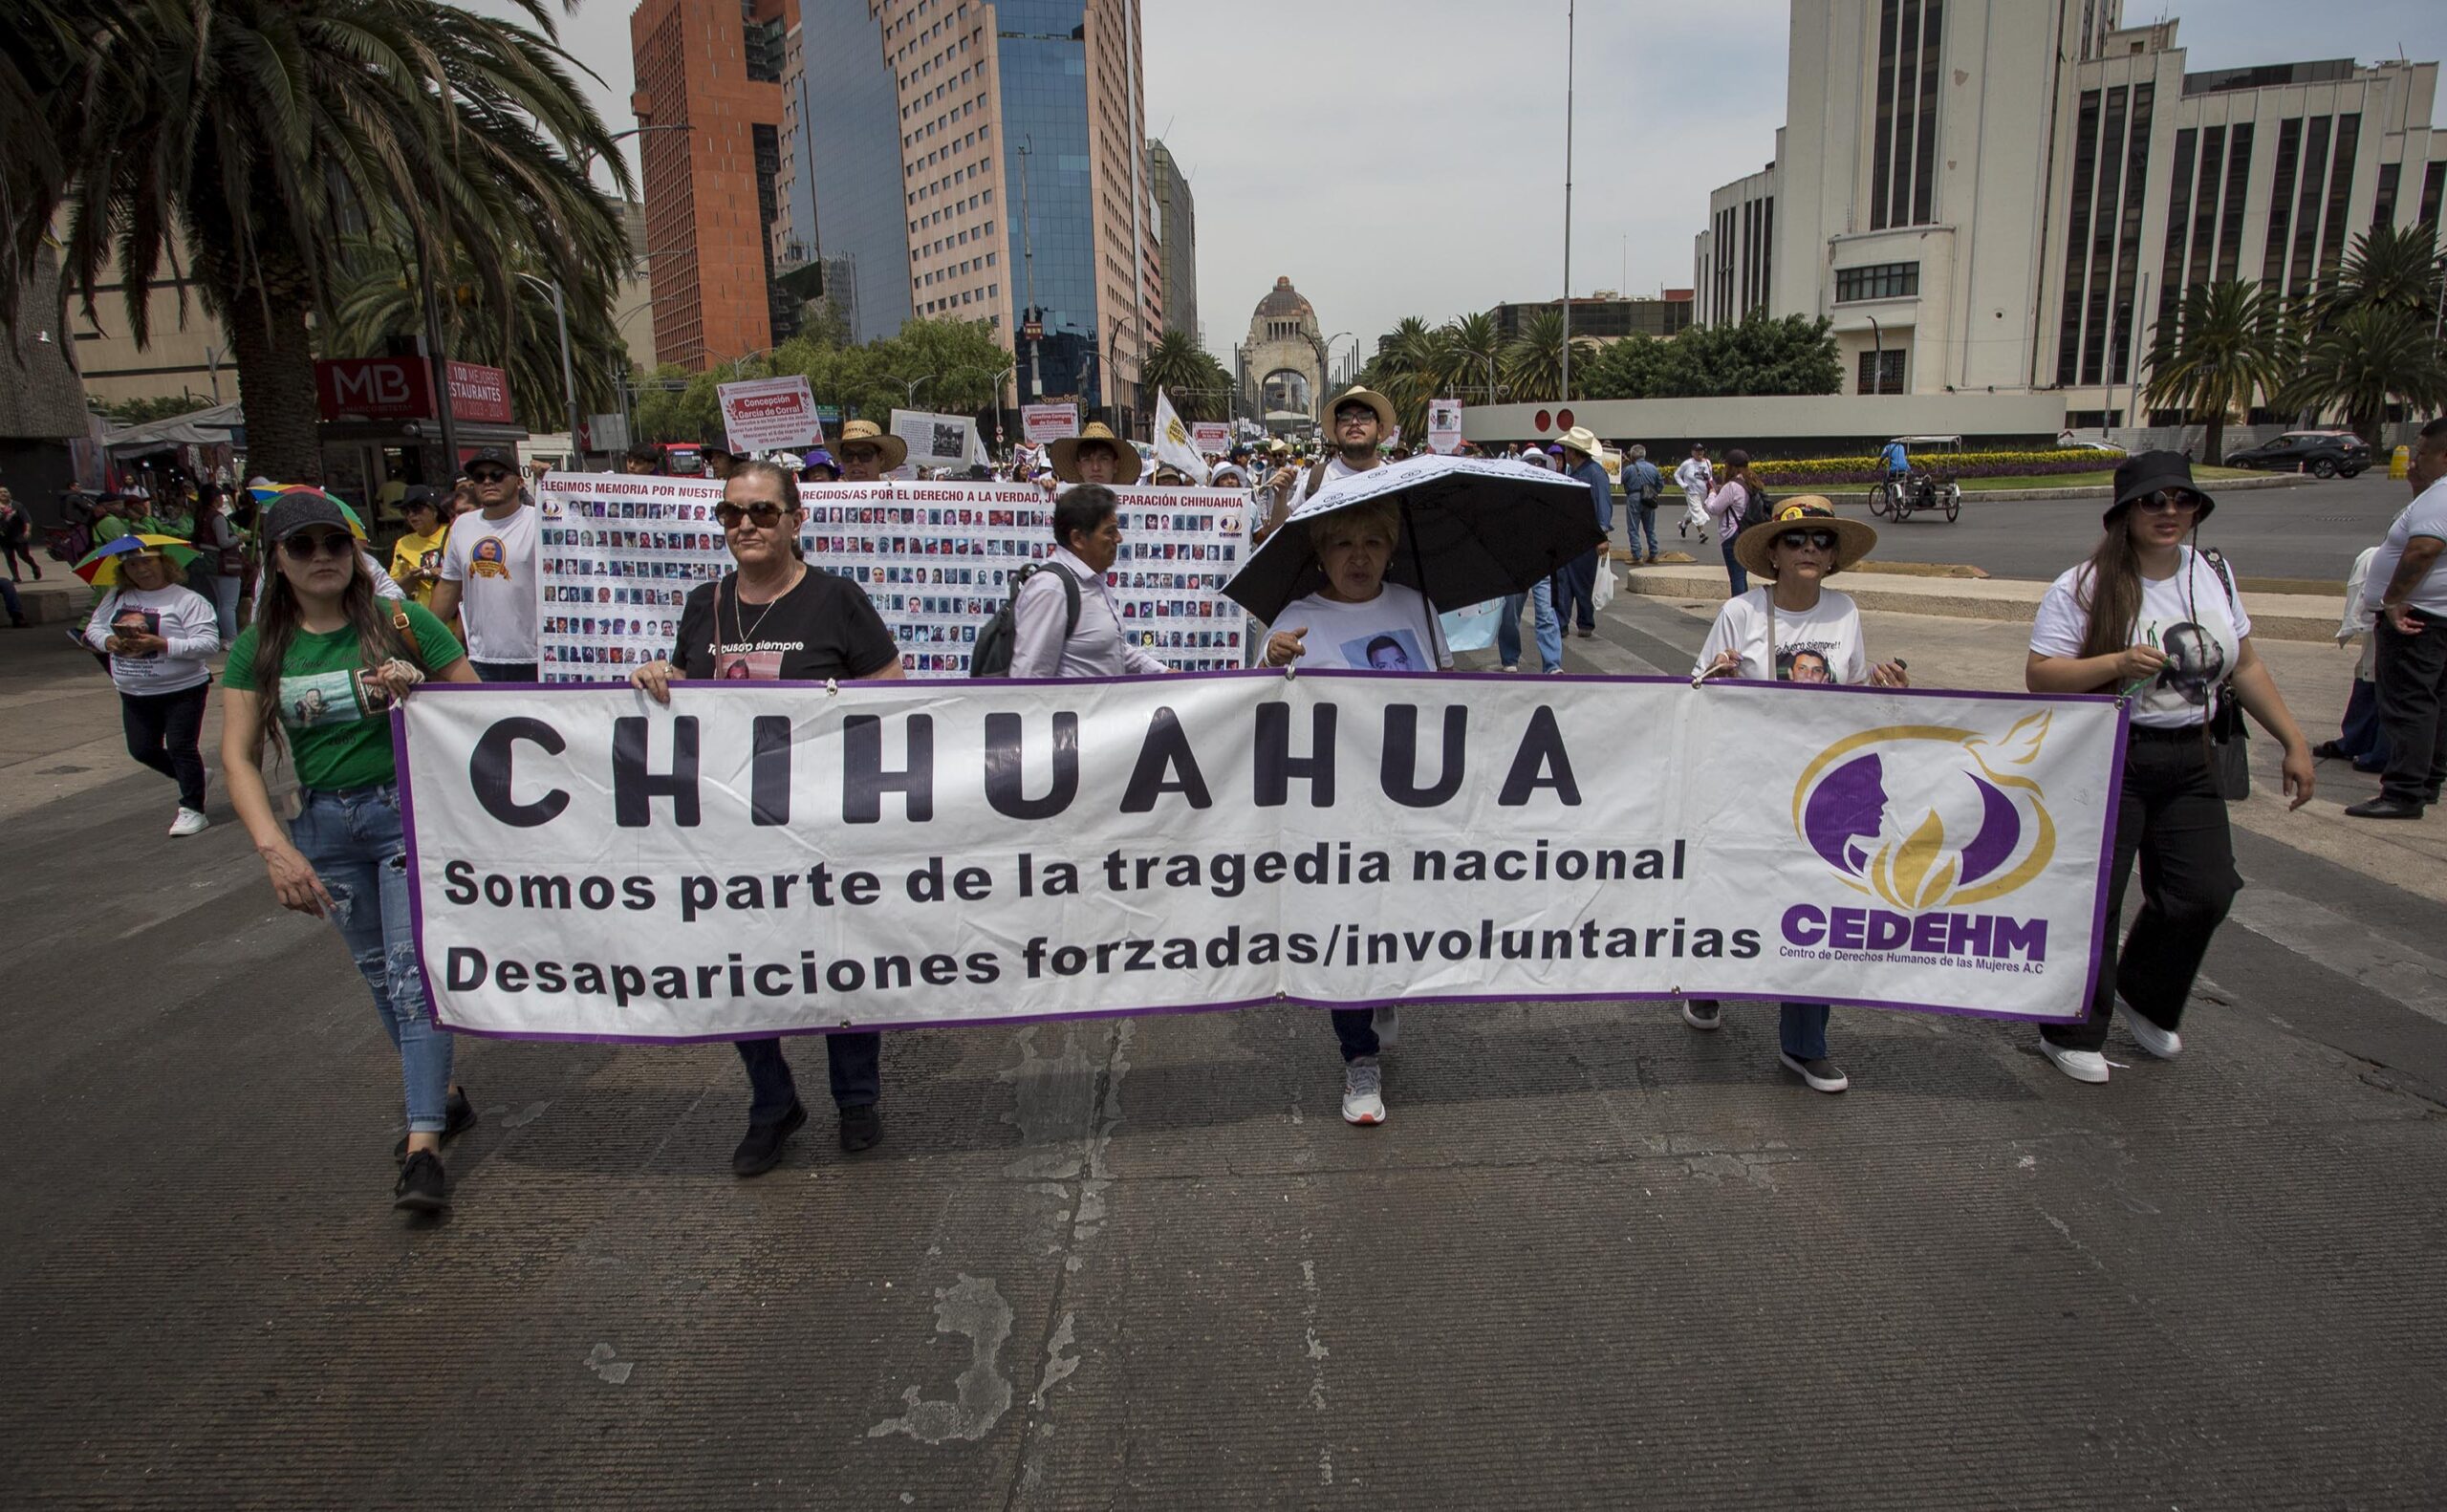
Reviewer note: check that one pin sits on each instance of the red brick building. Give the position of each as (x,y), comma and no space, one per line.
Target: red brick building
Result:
(716,66)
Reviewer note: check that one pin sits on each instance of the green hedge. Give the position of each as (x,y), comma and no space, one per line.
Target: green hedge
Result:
(1804,470)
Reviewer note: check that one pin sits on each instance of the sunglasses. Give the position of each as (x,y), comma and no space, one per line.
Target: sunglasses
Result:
(2170,501)
(1795,540)
(487,475)
(306,546)
(765,514)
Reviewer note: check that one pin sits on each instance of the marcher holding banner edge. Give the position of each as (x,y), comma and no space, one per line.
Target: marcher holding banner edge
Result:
(775,617)
(2151,619)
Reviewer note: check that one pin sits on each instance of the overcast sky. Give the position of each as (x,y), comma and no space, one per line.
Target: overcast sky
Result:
(1405,156)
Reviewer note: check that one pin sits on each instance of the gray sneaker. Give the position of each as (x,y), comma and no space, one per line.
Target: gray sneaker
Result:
(1363,1092)
(1387,1022)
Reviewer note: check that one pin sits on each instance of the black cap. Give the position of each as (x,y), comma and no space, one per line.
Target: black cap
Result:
(498,456)
(299,509)
(1239,449)
(420,494)
(719,446)
(2147,472)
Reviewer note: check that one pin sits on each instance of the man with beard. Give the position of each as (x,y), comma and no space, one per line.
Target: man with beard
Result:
(1356,424)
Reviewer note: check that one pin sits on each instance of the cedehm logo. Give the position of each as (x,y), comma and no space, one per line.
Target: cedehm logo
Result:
(1931,821)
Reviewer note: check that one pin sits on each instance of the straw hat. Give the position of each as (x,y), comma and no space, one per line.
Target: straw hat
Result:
(1355,394)
(1853,538)
(1064,454)
(867,432)
(1582,440)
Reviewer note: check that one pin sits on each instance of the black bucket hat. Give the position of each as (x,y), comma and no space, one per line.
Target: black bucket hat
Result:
(2148,473)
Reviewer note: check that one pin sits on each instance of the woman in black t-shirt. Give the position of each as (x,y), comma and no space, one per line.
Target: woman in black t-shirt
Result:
(778,618)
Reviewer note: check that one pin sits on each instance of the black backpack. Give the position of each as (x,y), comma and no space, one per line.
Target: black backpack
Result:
(1761,507)
(991,656)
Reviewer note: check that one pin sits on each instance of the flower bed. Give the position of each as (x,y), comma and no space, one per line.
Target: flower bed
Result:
(1864,470)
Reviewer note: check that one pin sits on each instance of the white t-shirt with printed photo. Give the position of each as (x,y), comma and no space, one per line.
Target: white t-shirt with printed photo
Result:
(493,563)
(1820,644)
(2188,616)
(1393,631)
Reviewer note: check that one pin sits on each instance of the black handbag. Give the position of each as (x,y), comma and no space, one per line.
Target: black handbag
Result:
(2228,741)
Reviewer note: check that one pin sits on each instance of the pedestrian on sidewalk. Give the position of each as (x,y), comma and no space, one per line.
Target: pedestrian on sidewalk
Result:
(220,570)
(1795,631)
(17,537)
(1642,487)
(1697,477)
(416,556)
(2148,617)
(1725,509)
(773,617)
(489,574)
(2358,737)
(1577,578)
(316,676)
(2408,593)
(157,635)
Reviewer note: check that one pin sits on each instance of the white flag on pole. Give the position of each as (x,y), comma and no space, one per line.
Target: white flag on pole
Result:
(1173,448)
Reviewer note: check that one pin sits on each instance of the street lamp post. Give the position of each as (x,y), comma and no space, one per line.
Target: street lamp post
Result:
(1033,323)
(1570,26)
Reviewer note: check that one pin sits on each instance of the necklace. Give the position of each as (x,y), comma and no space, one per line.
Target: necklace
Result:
(742,630)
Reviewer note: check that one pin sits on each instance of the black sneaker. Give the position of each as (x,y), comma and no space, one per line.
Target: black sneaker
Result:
(2384,806)
(761,1150)
(1822,1074)
(861,1125)
(1702,1013)
(458,1115)
(420,1187)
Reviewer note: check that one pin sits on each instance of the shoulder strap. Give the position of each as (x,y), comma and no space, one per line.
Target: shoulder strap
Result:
(1316,480)
(2217,561)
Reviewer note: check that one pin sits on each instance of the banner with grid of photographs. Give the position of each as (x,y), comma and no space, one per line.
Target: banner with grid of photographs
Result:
(620,554)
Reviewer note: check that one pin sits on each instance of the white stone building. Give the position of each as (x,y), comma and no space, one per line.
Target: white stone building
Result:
(2005,195)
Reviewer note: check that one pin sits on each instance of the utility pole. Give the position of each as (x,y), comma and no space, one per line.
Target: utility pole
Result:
(1030,327)
(1571,24)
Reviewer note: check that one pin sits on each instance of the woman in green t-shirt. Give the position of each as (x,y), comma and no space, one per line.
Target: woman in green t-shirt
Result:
(329,659)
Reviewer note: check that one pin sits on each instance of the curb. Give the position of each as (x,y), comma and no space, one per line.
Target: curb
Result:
(2008,600)
(50,602)
(1970,496)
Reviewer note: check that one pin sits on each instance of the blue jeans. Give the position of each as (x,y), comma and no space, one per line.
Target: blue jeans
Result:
(1576,589)
(2359,737)
(508,671)
(223,591)
(1733,569)
(354,842)
(855,1059)
(1639,520)
(1801,1031)
(1550,630)
(10,601)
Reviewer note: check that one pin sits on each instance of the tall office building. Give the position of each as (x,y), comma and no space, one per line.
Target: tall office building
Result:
(966,159)
(1177,241)
(713,67)
(2010,197)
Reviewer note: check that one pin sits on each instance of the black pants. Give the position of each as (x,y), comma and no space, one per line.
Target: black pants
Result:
(855,1063)
(2172,819)
(16,552)
(161,731)
(2413,685)
(1357,1030)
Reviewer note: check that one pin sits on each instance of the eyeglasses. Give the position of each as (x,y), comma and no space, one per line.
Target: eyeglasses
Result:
(1344,415)
(1795,540)
(487,475)
(306,546)
(2170,501)
(765,512)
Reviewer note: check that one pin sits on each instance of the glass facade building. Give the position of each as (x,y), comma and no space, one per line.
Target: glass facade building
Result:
(1051,242)
(850,109)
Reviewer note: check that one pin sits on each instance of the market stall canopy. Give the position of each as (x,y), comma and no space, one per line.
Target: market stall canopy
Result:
(209,427)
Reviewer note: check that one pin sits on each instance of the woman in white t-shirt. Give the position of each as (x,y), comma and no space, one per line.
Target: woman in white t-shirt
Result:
(2153,620)
(1794,630)
(1362,623)
(157,635)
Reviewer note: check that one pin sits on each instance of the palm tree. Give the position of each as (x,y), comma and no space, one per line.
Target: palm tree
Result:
(250,138)
(2360,359)
(1533,365)
(1478,344)
(2391,266)
(1200,388)
(2230,341)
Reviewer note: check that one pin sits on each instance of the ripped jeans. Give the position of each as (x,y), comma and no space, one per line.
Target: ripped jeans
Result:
(354,842)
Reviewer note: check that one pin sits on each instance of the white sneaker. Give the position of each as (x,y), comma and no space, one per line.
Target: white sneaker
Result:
(1387,1022)
(2083,1066)
(189,822)
(1509,666)
(2164,1044)
(1363,1092)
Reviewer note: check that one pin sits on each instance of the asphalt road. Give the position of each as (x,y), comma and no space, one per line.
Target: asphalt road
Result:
(1594,1258)
(2311,531)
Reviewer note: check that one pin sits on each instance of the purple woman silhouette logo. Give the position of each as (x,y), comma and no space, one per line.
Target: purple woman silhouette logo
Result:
(1925,816)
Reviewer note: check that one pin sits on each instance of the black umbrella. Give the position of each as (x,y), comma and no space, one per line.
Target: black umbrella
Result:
(1473,529)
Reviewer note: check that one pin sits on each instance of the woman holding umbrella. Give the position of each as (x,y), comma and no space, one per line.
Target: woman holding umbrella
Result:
(1794,630)
(156,633)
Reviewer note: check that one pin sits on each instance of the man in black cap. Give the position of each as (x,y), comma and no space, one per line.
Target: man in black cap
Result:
(489,574)
(720,459)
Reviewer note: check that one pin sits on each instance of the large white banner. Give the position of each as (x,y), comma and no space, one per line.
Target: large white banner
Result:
(772,857)
(619,554)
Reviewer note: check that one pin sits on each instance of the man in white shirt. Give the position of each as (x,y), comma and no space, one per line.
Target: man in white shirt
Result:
(1357,423)
(489,574)
(1044,641)
(2409,595)
(1695,478)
